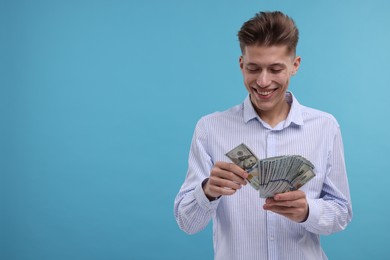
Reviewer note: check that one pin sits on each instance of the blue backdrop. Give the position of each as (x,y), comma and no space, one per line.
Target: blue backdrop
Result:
(99,99)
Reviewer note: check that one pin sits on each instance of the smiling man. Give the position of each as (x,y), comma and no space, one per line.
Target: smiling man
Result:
(271,122)
(267,71)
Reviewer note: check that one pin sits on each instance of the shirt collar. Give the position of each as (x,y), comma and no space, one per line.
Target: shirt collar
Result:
(294,116)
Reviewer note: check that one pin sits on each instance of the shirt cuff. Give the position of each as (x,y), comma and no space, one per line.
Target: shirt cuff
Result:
(203,201)
(314,214)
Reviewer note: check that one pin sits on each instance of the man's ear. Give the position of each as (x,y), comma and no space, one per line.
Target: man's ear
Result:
(241,61)
(296,64)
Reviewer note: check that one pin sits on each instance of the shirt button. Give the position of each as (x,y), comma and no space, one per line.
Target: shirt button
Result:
(271,238)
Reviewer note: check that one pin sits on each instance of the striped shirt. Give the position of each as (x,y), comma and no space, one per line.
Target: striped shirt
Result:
(242,229)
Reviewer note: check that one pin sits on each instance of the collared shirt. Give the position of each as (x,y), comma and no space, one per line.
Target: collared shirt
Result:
(242,229)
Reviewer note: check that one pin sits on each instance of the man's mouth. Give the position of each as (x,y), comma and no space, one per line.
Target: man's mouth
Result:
(264,93)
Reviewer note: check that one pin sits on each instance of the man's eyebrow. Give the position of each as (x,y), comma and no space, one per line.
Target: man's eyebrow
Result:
(280,64)
(252,64)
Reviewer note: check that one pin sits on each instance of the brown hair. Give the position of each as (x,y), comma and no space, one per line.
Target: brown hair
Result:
(268,29)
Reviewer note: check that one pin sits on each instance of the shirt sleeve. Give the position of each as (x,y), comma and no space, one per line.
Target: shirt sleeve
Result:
(333,210)
(193,210)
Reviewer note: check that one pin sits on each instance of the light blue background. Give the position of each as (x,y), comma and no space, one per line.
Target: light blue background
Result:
(99,100)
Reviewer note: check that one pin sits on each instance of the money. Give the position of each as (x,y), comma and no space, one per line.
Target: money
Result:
(274,174)
(243,157)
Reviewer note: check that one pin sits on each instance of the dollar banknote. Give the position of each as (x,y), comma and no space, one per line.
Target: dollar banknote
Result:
(274,174)
(247,160)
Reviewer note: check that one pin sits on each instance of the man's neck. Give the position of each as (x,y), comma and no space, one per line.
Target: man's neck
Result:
(273,118)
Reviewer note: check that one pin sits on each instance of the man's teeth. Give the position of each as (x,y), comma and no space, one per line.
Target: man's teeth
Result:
(265,93)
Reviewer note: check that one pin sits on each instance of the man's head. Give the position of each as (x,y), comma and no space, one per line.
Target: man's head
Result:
(268,42)
(269,29)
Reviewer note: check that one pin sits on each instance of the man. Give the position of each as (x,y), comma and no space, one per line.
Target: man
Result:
(272,123)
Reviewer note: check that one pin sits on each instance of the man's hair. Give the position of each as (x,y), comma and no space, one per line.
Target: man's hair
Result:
(269,29)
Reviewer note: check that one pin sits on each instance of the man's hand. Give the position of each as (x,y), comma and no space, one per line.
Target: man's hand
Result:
(225,179)
(292,205)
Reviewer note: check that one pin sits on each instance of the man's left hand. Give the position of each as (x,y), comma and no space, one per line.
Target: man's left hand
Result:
(292,205)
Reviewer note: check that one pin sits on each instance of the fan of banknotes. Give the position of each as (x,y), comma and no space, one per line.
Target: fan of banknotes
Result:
(274,174)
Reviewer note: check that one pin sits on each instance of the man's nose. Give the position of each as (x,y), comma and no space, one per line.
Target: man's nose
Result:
(264,79)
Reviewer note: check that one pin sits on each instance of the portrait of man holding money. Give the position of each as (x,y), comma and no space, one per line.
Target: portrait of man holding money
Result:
(291,155)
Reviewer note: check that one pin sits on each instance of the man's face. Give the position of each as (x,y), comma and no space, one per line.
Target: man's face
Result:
(267,72)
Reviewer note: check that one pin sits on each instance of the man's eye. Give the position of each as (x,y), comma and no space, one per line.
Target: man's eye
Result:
(252,69)
(276,71)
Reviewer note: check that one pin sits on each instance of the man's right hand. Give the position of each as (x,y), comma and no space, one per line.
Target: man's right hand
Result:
(225,179)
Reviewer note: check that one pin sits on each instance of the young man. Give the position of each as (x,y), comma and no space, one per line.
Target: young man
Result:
(272,123)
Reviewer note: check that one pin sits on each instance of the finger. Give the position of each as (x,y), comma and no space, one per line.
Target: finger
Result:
(289,196)
(295,214)
(228,175)
(285,207)
(271,202)
(231,167)
(299,203)
(224,183)
(279,209)
(214,189)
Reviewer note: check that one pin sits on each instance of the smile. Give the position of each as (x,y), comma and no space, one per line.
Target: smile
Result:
(264,93)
